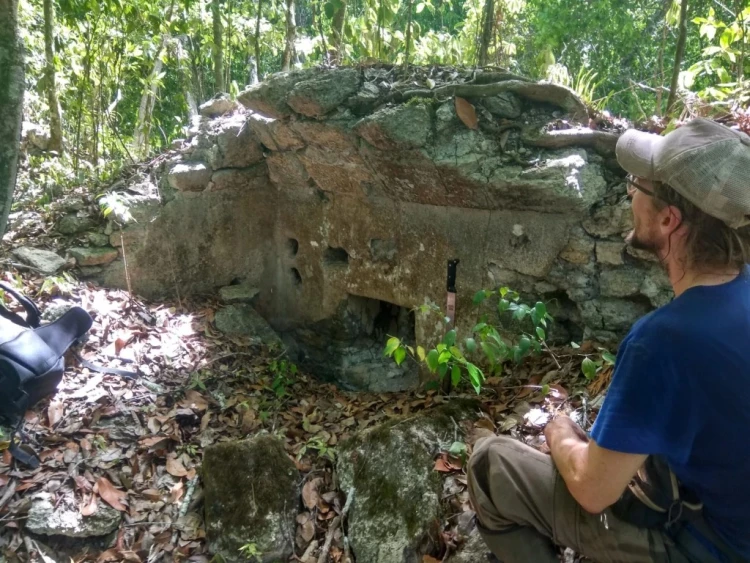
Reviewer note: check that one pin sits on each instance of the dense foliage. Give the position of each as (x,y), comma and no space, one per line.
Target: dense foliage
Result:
(128,75)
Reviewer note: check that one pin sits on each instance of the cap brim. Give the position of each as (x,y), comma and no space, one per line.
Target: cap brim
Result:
(636,151)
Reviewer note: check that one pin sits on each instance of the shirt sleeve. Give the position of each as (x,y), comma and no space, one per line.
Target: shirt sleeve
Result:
(647,408)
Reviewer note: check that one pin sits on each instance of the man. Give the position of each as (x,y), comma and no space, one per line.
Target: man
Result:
(681,386)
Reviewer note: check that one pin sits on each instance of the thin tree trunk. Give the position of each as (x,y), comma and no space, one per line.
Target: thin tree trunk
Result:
(257,40)
(55,121)
(228,43)
(679,53)
(142,132)
(488,24)
(218,48)
(659,82)
(318,19)
(11,104)
(291,32)
(145,110)
(339,17)
(187,80)
(408,32)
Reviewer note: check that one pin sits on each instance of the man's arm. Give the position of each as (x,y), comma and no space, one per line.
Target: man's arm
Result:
(596,477)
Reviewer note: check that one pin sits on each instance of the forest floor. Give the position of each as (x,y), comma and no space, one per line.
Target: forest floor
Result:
(136,444)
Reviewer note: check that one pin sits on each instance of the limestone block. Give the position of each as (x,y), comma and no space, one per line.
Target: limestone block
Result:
(608,252)
(320,95)
(189,176)
(93,256)
(400,127)
(46,261)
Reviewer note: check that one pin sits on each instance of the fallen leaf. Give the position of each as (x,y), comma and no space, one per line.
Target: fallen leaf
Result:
(110,494)
(430,559)
(109,555)
(90,508)
(175,467)
(194,400)
(310,494)
(55,412)
(466,113)
(176,492)
(442,466)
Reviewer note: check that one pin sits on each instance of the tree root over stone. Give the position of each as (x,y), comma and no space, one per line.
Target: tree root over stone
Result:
(601,141)
(555,94)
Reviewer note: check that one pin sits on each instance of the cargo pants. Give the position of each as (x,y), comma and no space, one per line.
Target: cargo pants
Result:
(524,510)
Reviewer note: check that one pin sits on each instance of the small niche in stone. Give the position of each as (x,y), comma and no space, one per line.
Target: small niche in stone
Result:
(296,276)
(336,257)
(292,245)
(347,348)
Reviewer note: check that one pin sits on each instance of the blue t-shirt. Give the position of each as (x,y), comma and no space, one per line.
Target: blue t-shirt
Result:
(681,389)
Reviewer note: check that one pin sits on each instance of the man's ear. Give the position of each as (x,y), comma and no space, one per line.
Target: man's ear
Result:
(670,220)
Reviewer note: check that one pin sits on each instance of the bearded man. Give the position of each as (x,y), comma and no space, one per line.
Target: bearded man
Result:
(680,390)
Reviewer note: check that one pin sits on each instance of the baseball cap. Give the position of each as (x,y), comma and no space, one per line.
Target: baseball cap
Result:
(704,161)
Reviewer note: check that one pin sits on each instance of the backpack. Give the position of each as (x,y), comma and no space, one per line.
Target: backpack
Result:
(32,361)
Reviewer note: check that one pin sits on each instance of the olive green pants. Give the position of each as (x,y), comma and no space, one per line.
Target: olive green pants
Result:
(524,509)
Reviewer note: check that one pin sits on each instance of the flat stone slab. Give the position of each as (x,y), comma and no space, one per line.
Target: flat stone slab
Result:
(240,293)
(93,256)
(45,518)
(241,319)
(46,261)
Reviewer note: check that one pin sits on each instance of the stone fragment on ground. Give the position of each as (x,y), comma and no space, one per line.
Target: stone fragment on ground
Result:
(251,497)
(241,319)
(218,106)
(46,261)
(239,293)
(397,493)
(73,224)
(46,518)
(94,256)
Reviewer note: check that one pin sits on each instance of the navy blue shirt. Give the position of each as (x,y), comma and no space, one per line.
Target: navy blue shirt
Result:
(681,389)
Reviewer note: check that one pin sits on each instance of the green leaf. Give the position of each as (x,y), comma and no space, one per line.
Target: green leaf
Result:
(420,7)
(475,376)
(456,353)
(589,368)
(391,346)
(420,353)
(442,370)
(541,309)
(455,375)
(490,351)
(520,314)
(444,356)
(609,357)
(503,305)
(479,327)
(458,449)
(432,360)
(524,344)
(471,345)
(329,10)
(399,355)
(450,338)
(575,345)
(540,333)
(479,296)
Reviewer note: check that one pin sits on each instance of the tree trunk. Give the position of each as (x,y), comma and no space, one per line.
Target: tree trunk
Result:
(218,48)
(318,20)
(257,40)
(408,32)
(679,53)
(55,122)
(187,80)
(11,104)
(339,17)
(291,32)
(488,23)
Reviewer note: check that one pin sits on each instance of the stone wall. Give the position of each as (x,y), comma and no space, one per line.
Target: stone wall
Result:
(340,194)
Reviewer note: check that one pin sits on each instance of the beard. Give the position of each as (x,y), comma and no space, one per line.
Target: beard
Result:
(640,241)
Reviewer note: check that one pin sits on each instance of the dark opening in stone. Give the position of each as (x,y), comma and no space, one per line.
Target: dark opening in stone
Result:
(347,349)
(296,277)
(336,257)
(292,245)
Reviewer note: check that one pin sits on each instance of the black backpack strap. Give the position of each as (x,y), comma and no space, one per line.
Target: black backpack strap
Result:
(33,315)
(101,369)
(65,331)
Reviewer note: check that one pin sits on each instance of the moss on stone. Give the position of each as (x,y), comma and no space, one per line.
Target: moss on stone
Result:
(251,497)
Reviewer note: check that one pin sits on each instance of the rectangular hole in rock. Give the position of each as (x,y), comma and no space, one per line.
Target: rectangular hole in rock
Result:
(335,257)
(347,348)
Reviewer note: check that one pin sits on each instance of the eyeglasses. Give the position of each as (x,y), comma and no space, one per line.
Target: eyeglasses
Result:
(633,186)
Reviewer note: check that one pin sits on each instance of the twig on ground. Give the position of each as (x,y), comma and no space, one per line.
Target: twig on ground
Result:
(335,524)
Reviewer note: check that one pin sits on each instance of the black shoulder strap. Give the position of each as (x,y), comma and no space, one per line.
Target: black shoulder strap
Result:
(33,315)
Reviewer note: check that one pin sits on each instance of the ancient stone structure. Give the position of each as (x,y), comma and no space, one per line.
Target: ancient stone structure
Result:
(340,196)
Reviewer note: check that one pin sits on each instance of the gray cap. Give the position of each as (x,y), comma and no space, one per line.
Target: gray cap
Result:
(704,161)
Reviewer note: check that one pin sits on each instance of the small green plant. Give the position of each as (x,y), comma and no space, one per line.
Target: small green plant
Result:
(319,445)
(58,285)
(116,205)
(196,381)
(459,450)
(250,551)
(590,367)
(283,372)
(493,344)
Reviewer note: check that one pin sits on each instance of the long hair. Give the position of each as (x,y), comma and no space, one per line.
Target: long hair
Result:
(710,242)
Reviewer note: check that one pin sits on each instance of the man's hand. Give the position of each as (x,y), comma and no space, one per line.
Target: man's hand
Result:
(596,477)
(563,426)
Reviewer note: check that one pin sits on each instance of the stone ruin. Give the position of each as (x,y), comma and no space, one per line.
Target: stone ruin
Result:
(336,198)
